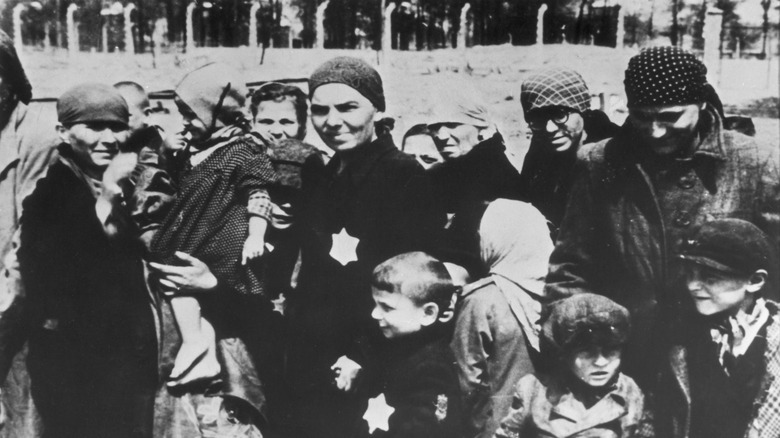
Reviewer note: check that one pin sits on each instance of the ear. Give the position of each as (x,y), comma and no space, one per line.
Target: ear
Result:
(63,133)
(487,132)
(430,313)
(757,281)
(378,115)
(447,314)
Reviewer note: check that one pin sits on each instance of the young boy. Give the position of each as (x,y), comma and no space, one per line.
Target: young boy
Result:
(413,384)
(586,395)
(721,377)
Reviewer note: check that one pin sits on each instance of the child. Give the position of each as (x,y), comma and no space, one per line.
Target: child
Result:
(415,383)
(221,210)
(279,112)
(722,376)
(586,395)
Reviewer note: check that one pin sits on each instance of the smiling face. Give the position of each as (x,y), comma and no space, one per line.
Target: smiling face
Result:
(666,129)
(277,120)
(342,117)
(714,291)
(397,315)
(94,144)
(596,366)
(558,127)
(454,139)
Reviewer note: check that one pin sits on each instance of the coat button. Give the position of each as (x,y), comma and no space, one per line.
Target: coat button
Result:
(686,182)
(682,220)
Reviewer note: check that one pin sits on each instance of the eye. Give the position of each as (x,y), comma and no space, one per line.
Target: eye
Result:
(265,122)
(347,107)
(669,117)
(287,122)
(319,110)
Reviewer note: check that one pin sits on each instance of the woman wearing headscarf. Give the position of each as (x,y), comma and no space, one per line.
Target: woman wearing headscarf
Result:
(556,103)
(368,204)
(496,339)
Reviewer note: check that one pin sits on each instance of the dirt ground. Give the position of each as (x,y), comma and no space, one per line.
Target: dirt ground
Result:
(413,80)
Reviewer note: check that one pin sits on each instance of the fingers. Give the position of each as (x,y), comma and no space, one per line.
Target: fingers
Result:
(187,258)
(167,269)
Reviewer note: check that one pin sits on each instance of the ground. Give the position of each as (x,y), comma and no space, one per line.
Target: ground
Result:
(414,81)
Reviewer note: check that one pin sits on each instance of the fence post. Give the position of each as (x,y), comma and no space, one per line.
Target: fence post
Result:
(712,28)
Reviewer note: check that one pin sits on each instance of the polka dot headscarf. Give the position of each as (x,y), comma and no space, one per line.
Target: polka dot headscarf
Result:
(664,76)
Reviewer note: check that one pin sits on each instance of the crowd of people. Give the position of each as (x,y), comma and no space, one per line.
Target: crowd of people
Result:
(231,280)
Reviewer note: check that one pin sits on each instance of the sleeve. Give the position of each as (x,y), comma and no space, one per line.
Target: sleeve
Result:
(512,425)
(259,204)
(471,341)
(573,258)
(150,197)
(254,174)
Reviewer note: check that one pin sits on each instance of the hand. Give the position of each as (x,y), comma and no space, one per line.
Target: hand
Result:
(347,372)
(119,169)
(194,276)
(254,247)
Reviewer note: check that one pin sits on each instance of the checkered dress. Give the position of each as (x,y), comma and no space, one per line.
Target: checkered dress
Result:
(766,421)
(555,87)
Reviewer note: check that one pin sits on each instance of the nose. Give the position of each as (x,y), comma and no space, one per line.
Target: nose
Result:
(376,314)
(107,136)
(276,130)
(332,119)
(693,279)
(657,130)
(601,359)
(443,133)
(550,126)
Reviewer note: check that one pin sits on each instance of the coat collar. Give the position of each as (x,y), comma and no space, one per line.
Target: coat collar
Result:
(363,160)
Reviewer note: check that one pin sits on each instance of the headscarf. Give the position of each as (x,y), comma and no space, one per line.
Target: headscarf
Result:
(665,76)
(559,86)
(354,73)
(216,93)
(91,102)
(11,69)
(460,104)
(515,243)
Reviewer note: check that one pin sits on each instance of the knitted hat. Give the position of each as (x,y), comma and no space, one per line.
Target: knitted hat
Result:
(92,102)
(586,319)
(352,72)
(214,92)
(558,86)
(11,69)
(733,246)
(664,76)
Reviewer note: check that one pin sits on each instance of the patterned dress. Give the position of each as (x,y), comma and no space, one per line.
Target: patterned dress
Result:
(209,219)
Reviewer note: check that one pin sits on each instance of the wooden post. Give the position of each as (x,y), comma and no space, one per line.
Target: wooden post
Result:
(712,29)
(387,36)
(129,40)
(73,33)
(321,24)
(17,19)
(190,41)
(464,26)
(253,23)
(540,24)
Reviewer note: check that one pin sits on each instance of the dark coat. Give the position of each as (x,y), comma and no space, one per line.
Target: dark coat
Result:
(547,175)
(673,412)
(625,221)
(92,346)
(418,377)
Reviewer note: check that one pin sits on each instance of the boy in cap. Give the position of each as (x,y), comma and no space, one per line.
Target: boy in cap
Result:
(586,394)
(721,376)
(413,381)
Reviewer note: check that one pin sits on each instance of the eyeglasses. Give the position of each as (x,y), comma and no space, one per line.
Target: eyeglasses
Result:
(538,121)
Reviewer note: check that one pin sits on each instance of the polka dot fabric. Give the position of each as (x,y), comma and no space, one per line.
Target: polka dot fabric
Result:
(664,76)
(555,87)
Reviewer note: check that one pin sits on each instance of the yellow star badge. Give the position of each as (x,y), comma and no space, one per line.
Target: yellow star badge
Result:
(378,414)
(344,247)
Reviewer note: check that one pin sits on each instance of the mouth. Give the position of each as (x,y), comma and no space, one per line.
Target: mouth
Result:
(599,375)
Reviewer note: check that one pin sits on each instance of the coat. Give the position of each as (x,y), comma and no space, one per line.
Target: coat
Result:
(26,151)
(492,351)
(673,412)
(417,376)
(625,222)
(92,337)
(545,407)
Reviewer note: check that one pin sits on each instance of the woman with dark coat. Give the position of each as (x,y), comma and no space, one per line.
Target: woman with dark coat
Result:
(556,103)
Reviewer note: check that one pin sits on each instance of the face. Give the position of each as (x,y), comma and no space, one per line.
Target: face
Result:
(277,120)
(342,117)
(94,144)
(666,130)
(714,291)
(595,366)
(398,315)
(560,128)
(194,128)
(138,107)
(423,148)
(281,215)
(454,139)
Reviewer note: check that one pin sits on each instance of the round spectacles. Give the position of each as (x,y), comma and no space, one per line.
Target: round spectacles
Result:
(538,122)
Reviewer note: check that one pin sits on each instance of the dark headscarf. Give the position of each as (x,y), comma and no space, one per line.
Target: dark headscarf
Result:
(665,76)
(11,69)
(92,102)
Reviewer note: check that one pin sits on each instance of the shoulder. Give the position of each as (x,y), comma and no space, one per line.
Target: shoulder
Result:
(486,285)
(744,149)
(593,153)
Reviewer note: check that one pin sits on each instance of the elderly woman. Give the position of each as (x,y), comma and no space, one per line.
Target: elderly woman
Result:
(496,339)
(556,103)
(92,345)
(368,204)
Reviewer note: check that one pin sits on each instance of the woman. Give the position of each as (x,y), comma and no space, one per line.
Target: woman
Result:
(496,339)
(367,205)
